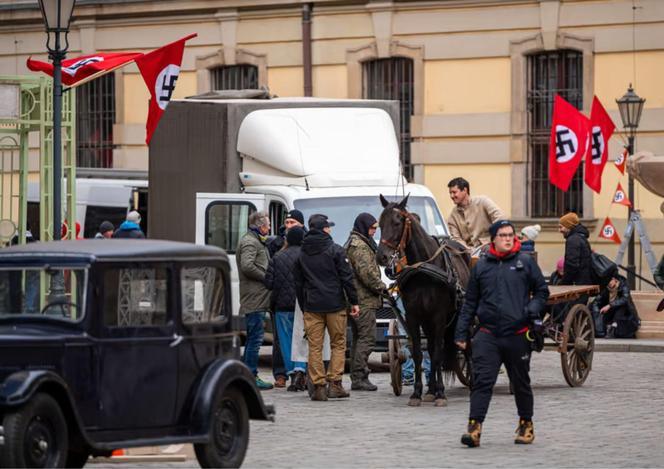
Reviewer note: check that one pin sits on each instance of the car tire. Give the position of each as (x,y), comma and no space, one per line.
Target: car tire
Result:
(229,432)
(36,435)
(77,459)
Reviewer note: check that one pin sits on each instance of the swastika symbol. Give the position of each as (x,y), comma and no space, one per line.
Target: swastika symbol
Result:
(608,231)
(73,68)
(566,144)
(598,145)
(167,87)
(165,84)
(620,196)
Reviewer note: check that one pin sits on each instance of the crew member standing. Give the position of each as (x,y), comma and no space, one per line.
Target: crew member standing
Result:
(507,292)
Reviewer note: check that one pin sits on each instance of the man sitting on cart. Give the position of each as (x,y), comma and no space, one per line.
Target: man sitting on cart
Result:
(614,312)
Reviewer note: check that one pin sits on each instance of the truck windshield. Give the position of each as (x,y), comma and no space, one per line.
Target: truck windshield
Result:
(43,292)
(343,210)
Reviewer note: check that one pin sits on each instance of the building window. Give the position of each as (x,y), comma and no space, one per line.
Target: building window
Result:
(392,78)
(95,116)
(550,73)
(234,77)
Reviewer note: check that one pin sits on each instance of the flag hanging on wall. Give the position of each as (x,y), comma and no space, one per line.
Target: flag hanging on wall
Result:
(609,231)
(621,161)
(619,197)
(601,129)
(80,70)
(160,70)
(568,143)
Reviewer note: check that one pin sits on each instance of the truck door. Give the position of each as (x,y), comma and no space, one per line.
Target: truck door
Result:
(221,220)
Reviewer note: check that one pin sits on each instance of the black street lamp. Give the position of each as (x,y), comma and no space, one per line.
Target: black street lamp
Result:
(57,16)
(631,107)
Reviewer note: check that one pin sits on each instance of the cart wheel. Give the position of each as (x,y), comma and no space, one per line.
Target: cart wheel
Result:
(464,368)
(395,355)
(578,345)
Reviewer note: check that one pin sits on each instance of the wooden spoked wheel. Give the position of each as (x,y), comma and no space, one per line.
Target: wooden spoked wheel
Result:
(464,367)
(578,345)
(395,356)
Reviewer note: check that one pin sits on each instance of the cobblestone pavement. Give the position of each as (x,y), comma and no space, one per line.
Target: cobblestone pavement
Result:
(614,420)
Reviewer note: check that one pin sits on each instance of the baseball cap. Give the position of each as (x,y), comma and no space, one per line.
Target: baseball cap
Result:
(319,221)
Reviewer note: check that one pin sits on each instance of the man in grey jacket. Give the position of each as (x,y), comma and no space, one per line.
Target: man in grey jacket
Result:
(252,260)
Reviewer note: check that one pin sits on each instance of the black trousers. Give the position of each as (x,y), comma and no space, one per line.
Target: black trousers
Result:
(489,353)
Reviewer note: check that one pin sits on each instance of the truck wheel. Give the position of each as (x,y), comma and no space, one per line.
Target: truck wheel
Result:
(229,432)
(35,435)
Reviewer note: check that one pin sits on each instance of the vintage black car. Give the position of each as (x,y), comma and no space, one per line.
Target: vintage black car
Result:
(108,344)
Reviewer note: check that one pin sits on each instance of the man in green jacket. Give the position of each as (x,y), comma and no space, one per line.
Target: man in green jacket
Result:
(252,259)
(361,251)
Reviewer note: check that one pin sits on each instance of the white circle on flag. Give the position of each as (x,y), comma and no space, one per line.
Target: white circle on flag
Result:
(567,144)
(608,231)
(620,159)
(598,145)
(620,196)
(165,84)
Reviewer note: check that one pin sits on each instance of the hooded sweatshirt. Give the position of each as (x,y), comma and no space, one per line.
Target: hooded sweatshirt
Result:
(323,276)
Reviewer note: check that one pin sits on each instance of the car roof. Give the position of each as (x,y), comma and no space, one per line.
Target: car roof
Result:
(89,250)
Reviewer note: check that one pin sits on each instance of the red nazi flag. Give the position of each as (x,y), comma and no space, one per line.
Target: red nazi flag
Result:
(602,128)
(608,231)
(82,69)
(619,197)
(160,69)
(568,144)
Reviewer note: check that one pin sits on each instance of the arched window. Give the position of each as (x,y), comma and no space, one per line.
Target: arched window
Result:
(551,73)
(234,77)
(392,78)
(95,116)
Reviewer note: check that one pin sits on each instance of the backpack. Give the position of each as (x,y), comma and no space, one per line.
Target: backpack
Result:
(603,268)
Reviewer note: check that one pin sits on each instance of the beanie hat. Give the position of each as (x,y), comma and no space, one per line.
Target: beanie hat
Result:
(294,236)
(569,220)
(106,226)
(134,216)
(295,214)
(493,229)
(531,232)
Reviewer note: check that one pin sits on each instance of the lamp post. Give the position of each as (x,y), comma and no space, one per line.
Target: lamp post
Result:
(630,106)
(57,16)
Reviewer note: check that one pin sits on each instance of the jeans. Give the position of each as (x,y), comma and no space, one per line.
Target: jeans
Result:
(278,367)
(408,367)
(255,331)
(284,328)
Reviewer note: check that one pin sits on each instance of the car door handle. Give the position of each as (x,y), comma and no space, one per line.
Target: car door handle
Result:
(176,342)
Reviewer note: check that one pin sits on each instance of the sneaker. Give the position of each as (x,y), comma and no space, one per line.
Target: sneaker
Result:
(280,382)
(363,385)
(472,437)
(335,390)
(319,393)
(262,385)
(525,432)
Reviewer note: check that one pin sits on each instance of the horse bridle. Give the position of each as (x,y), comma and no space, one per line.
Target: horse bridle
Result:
(399,255)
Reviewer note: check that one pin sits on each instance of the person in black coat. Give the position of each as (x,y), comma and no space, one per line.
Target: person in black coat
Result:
(578,267)
(279,279)
(324,285)
(293,218)
(614,312)
(507,293)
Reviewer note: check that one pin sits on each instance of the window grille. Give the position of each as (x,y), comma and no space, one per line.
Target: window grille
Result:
(550,73)
(95,116)
(392,78)
(234,77)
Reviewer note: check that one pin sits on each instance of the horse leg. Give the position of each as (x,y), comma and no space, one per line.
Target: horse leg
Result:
(439,398)
(416,398)
(431,386)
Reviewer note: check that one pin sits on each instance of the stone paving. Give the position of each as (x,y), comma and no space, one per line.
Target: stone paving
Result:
(614,420)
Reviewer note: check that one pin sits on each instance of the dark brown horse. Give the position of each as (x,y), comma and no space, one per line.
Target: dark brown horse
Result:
(428,286)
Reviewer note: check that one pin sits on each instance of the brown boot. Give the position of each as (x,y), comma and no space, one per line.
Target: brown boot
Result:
(320,393)
(472,437)
(335,390)
(525,432)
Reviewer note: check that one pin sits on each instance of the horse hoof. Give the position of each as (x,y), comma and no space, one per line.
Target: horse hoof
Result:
(413,402)
(428,398)
(441,402)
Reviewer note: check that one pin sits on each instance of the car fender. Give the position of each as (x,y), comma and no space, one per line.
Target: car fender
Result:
(219,376)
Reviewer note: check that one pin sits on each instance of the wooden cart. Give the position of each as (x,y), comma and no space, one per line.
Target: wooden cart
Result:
(573,338)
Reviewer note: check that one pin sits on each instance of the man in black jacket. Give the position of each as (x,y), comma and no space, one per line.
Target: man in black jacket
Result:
(507,293)
(578,267)
(614,312)
(324,285)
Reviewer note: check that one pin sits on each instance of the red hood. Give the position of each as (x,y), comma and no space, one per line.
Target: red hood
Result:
(500,255)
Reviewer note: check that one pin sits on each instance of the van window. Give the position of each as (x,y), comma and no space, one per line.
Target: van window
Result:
(277,215)
(226,222)
(135,297)
(202,295)
(95,214)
